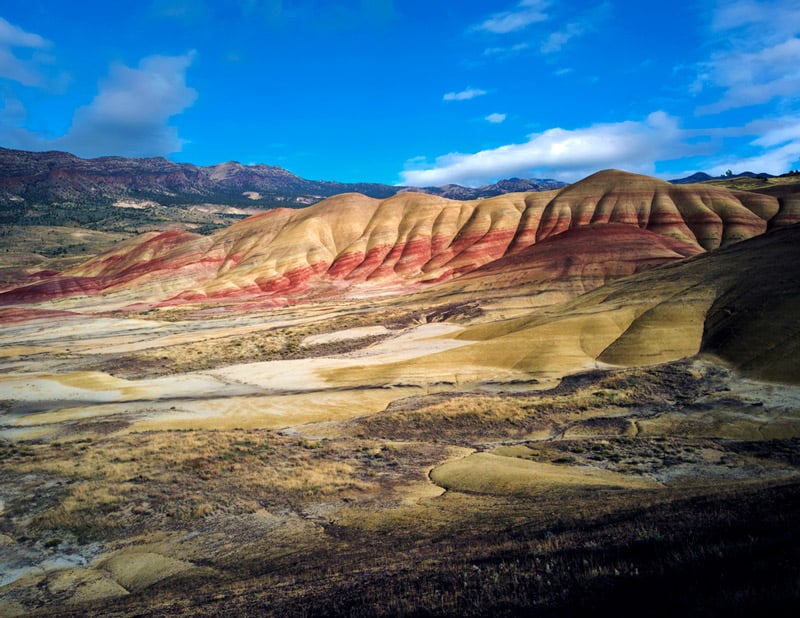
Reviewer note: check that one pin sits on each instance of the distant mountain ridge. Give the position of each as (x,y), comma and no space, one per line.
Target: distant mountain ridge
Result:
(703,177)
(59,177)
(501,187)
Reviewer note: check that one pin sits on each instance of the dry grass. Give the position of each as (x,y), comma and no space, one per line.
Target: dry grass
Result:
(115,486)
(743,183)
(563,553)
(292,525)
(558,513)
(277,343)
(281,344)
(582,399)
(32,248)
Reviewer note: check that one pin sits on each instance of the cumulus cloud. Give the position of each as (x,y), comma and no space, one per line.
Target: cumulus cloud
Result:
(561,153)
(759,56)
(496,118)
(775,133)
(14,65)
(525,13)
(772,146)
(775,161)
(130,114)
(751,78)
(464,95)
(776,149)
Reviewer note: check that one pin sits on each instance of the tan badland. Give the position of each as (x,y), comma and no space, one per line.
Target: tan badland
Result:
(568,242)
(510,294)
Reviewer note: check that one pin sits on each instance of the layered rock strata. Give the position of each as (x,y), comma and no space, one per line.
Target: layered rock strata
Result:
(351,242)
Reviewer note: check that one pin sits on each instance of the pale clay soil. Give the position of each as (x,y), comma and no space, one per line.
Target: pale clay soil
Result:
(303,397)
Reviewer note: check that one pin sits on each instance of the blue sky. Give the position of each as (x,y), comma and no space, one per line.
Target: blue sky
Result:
(409,91)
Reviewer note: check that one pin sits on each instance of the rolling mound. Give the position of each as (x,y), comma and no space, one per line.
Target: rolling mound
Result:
(573,262)
(735,303)
(491,421)
(694,213)
(753,322)
(608,225)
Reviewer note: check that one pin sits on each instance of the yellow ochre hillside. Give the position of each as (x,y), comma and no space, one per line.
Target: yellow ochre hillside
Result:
(352,244)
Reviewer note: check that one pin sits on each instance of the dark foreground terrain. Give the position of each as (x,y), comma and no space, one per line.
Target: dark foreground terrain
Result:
(286,523)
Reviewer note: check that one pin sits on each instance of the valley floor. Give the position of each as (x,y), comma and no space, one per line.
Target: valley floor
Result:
(332,461)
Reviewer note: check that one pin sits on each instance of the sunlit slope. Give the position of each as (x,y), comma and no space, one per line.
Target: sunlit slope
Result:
(149,266)
(578,260)
(740,303)
(693,213)
(352,243)
(488,473)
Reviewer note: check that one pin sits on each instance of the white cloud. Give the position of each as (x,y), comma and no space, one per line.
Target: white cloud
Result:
(635,146)
(533,11)
(496,118)
(464,95)
(525,13)
(776,161)
(18,70)
(130,114)
(758,60)
(777,132)
(777,148)
(781,16)
(755,77)
(566,154)
(14,36)
(25,71)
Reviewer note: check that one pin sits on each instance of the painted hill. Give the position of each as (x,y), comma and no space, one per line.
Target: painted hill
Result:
(573,262)
(618,223)
(735,305)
